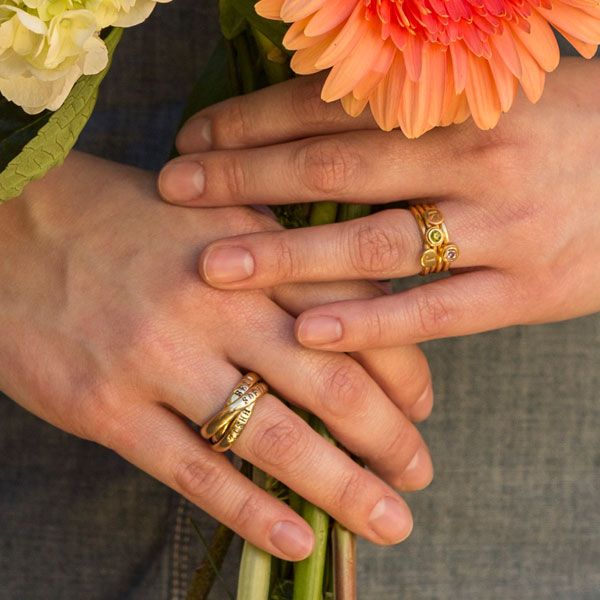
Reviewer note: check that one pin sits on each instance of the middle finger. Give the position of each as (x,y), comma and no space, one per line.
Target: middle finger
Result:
(338,390)
(361,166)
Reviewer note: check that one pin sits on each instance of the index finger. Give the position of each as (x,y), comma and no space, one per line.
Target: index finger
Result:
(279,113)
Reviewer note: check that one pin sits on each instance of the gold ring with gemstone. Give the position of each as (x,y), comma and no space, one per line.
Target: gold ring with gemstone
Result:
(226,426)
(438,252)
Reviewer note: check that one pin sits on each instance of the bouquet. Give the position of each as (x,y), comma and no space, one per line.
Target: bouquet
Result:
(415,64)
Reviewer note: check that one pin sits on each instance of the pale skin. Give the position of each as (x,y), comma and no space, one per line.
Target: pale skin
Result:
(521,202)
(108,333)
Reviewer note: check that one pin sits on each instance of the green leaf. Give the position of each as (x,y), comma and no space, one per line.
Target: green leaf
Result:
(274,30)
(55,137)
(213,85)
(16,129)
(232,21)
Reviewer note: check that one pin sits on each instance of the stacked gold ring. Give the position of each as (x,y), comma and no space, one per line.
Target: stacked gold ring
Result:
(227,425)
(438,252)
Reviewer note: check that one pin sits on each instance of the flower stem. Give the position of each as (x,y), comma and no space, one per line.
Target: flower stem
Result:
(254,580)
(308,573)
(247,70)
(347,212)
(322,213)
(344,560)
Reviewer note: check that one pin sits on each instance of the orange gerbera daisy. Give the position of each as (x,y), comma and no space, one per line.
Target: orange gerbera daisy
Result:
(423,63)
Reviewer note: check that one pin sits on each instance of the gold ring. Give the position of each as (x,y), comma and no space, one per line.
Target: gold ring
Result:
(438,251)
(226,426)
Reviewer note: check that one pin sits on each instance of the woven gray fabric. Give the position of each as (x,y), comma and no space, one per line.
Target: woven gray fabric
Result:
(513,513)
(514,509)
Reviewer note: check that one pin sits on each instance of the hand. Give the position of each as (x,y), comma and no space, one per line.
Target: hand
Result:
(521,202)
(108,333)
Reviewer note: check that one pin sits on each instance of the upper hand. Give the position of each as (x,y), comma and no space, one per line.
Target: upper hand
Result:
(108,333)
(521,202)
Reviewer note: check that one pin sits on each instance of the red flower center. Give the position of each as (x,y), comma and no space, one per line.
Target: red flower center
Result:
(446,21)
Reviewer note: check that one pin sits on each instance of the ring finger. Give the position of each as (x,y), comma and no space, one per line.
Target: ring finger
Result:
(282,444)
(381,246)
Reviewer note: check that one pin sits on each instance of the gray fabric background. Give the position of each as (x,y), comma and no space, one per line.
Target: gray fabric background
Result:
(514,510)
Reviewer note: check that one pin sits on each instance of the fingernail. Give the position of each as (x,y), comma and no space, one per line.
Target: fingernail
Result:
(227,265)
(391,520)
(292,540)
(422,407)
(182,181)
(196,136)
(319,330)
(419,472)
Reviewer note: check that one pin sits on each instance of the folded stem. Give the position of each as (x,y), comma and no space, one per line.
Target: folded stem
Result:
(204,577)
(344,561)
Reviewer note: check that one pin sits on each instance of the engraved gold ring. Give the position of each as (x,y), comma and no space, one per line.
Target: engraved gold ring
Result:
(438,252)
(226,426)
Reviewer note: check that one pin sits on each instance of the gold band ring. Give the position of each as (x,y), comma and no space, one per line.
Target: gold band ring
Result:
(226,426)
(438,251)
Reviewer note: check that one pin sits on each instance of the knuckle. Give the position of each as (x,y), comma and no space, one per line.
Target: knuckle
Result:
(231,126)
(344,389)
(280,442)
(285,261)
(402,442)
(248,511)
(372,323)
(373,249)
(328,167)
(197,479)
(101,417)
(433,314)
(306,102)
(234,176)
(348,491)
(147,336)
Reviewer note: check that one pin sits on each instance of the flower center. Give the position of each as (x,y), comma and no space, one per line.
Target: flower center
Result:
(446,21)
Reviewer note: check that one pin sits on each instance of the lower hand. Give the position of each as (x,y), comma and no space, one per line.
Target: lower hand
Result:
(521,202)
(108,333)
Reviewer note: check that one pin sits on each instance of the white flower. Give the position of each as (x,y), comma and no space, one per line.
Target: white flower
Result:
(47,45)
(41,61)
(122,13)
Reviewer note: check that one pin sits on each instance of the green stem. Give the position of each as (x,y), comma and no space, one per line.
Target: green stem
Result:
(254,579)
(246,69)
(308,573)
(344,560)
(236,85)
(322,213)
(204,577)
(347,212)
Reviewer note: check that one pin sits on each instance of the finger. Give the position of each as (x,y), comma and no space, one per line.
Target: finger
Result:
(339,391)
(401,372)
(279,113)
(282,444)
(362,166)
(460,305)
(157,441)
(381,246)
